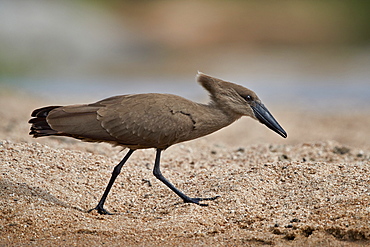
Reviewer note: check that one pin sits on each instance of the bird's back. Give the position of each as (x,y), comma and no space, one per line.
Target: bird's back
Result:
(135,121)
(146,120)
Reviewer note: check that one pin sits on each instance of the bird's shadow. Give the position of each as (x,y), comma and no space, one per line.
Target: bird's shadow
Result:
(19,191)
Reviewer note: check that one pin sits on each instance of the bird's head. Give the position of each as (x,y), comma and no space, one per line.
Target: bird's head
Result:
(239,100)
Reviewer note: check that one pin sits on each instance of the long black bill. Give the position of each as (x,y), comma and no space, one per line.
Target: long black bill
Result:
(265,117)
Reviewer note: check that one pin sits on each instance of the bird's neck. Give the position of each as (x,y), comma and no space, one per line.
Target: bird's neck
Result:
(214,117)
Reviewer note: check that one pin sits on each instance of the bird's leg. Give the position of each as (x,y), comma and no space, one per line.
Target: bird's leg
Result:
(157,173)
(116,171)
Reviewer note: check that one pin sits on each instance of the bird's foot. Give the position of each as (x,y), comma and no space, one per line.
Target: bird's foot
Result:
(100,210)
(198,200)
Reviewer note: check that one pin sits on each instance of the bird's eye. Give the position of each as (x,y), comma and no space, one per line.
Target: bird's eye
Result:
(247,97)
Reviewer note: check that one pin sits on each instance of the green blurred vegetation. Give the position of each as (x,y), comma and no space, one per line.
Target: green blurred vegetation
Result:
(351,18)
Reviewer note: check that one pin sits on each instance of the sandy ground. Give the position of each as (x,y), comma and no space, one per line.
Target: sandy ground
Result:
(311,189)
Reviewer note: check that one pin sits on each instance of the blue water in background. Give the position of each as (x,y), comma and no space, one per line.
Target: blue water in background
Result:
(314,93)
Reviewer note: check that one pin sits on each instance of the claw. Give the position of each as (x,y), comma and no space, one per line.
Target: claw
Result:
(198,200)
(100,210)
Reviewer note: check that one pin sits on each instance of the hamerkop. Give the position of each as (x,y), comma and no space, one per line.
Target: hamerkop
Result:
(153,120)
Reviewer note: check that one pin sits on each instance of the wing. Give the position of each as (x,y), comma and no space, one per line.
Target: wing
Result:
(135,121)
(147,120)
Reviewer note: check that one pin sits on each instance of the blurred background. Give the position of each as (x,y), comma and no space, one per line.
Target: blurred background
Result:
(307,55)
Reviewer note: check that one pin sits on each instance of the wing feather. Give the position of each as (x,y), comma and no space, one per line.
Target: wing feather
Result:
(135,121)
(145,120)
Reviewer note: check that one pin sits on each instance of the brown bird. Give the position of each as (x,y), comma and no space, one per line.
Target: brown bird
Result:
(152,120)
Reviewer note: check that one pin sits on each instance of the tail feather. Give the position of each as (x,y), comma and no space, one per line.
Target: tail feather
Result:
(40,126)
(77,121)
(43,112)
